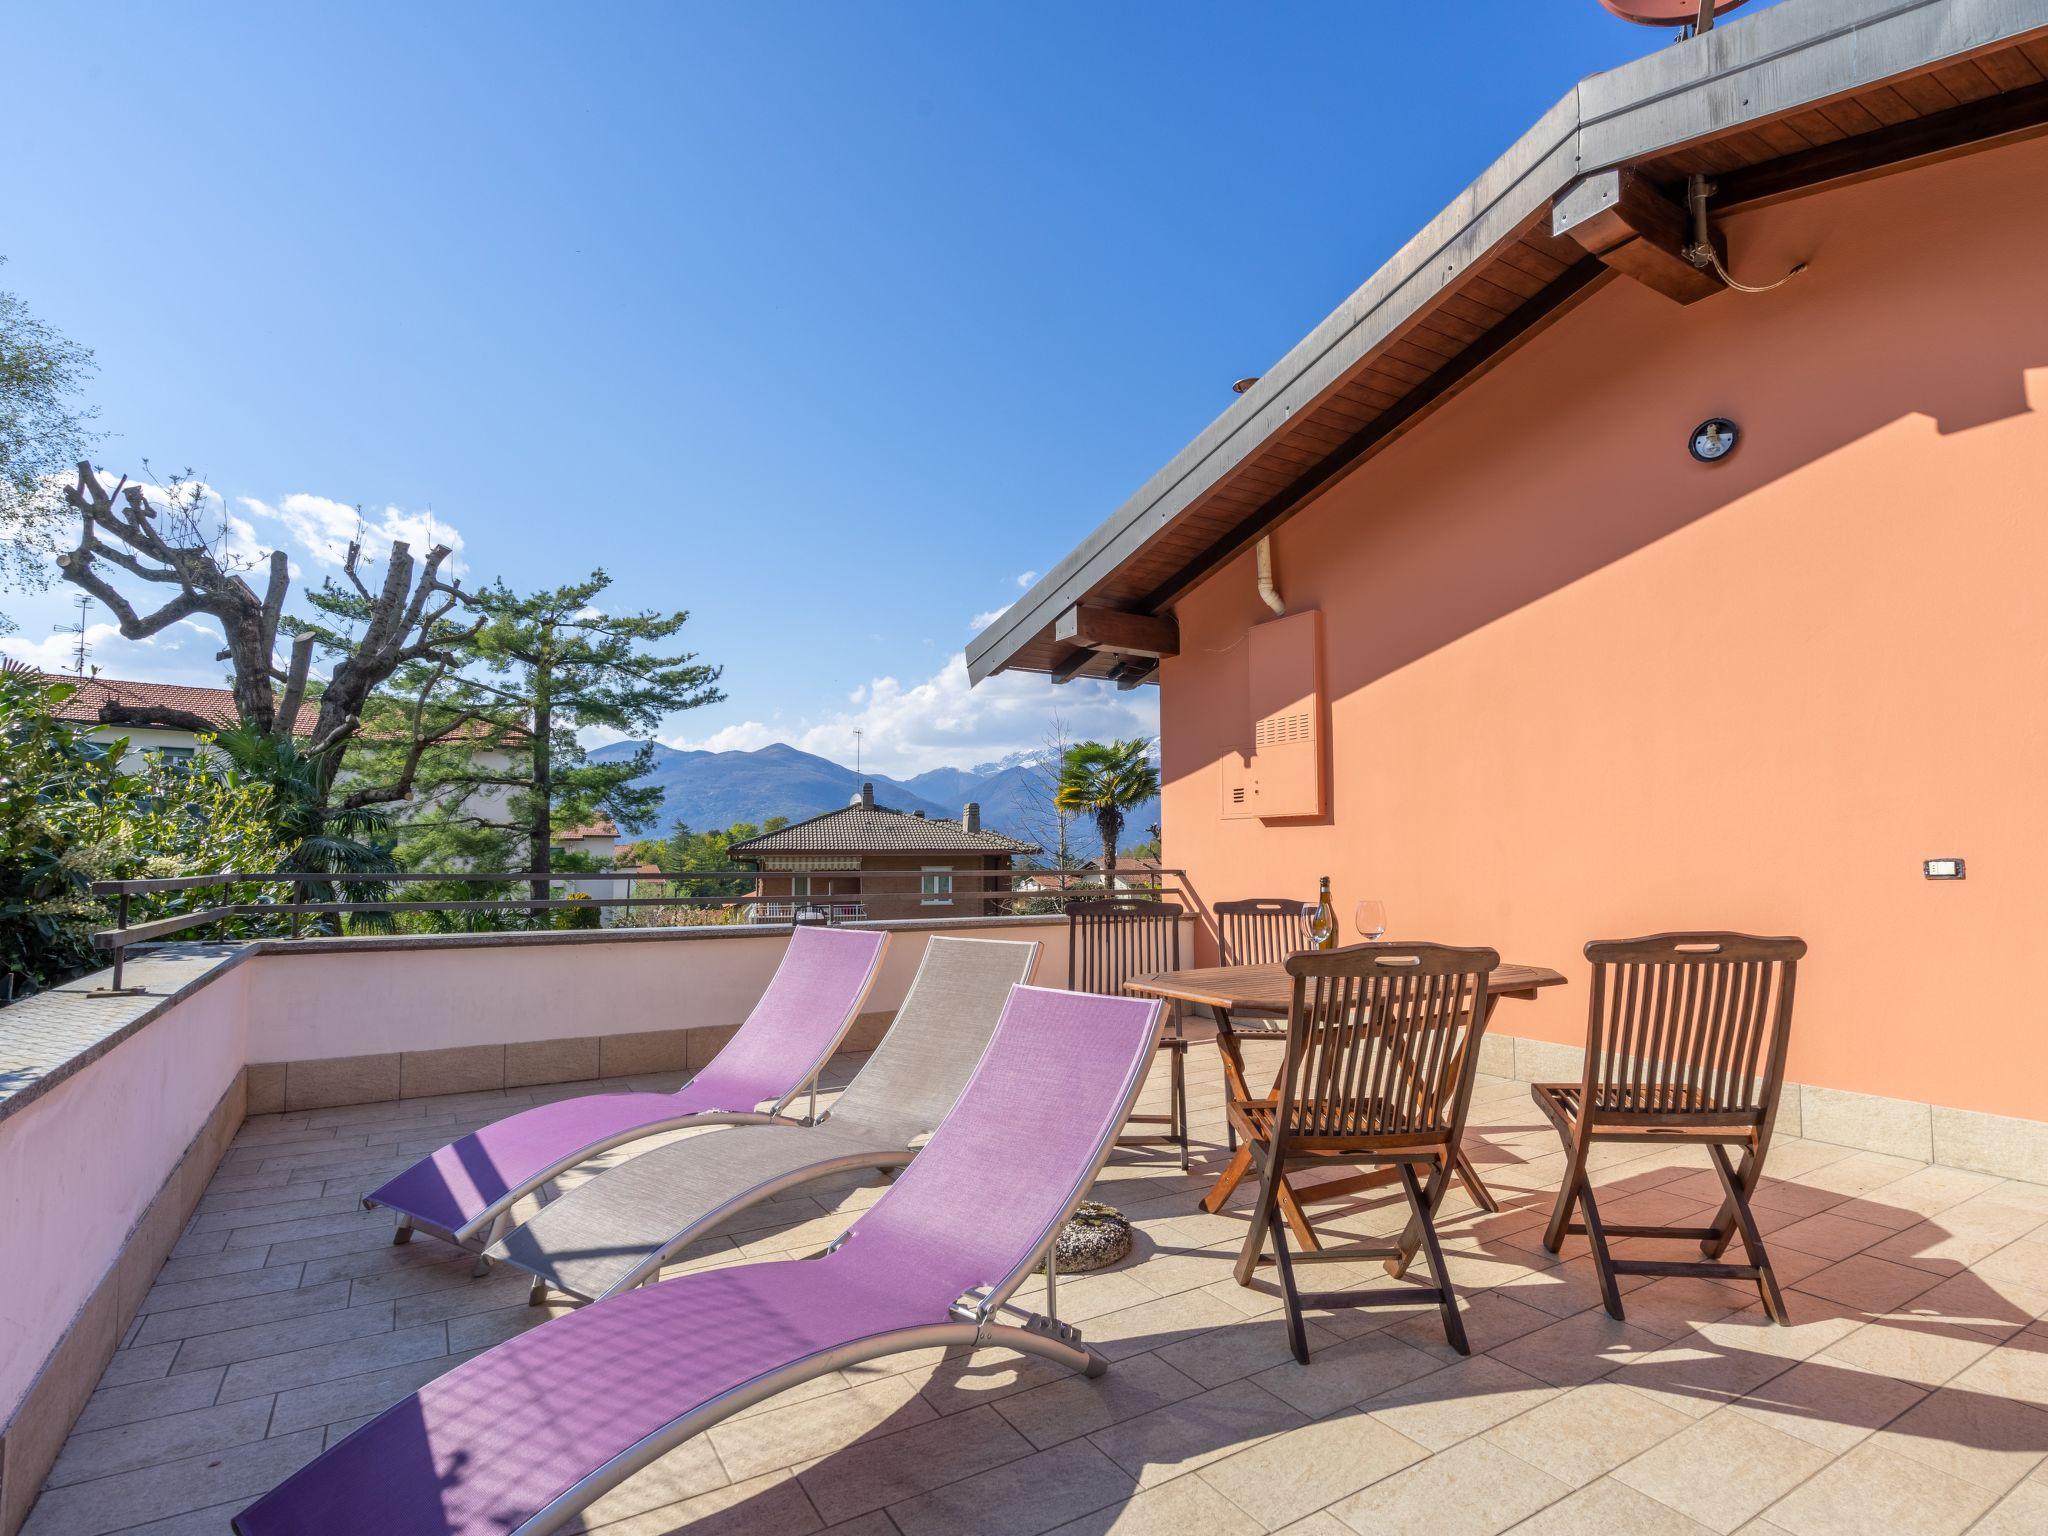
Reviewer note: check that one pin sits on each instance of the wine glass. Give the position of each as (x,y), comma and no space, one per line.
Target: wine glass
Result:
(1322,925)
(1370,919)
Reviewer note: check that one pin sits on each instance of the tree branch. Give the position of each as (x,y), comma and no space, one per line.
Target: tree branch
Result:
(112,713)
(348,566)
(294,688)
(134,626)
(273,597)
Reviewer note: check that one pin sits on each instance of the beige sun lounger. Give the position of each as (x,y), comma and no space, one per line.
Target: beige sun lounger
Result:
(617,1230)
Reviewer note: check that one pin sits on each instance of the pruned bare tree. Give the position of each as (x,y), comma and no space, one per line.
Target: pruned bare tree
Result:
(166,546)
(405,619)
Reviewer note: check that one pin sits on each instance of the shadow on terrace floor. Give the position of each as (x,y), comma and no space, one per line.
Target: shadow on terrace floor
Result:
(1908,1395)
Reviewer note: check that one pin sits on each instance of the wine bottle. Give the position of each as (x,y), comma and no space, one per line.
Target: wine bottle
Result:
(1322,923)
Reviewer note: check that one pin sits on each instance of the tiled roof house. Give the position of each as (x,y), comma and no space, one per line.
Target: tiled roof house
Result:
(868,860)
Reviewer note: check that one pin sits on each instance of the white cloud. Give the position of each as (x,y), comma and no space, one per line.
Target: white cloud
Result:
(241,546)
(743,737)
(245,534)
(318,525)
(183,653)
(323,527)
(941,722)
(55,654)
(1025,579)
(979,622)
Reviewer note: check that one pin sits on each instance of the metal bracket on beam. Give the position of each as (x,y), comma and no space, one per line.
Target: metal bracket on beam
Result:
(1638,231)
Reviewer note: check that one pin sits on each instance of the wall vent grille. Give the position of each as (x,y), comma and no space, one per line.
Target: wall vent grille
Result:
(1274,730)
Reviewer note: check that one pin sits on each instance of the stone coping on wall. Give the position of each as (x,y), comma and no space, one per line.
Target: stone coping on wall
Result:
(633,935)
(46,1038)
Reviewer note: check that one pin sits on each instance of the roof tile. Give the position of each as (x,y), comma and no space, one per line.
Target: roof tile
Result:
(854,829)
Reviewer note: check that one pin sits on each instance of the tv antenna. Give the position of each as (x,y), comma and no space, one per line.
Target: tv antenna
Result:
(80,649)
(856,754)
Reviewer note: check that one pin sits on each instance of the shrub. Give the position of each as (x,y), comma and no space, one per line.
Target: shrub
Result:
(586,914)
(70,814)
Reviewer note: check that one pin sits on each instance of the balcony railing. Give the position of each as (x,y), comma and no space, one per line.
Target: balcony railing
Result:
(976,893)
(818,909)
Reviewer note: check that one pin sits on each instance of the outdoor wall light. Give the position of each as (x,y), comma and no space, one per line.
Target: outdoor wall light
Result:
(1713,439)
(1943,869)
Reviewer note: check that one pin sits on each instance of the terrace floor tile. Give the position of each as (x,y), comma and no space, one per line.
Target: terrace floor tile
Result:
(1472,1489)
(1909,1394)
(1876,1489)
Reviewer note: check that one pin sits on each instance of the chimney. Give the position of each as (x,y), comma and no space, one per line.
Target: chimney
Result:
(867,797)
(971,817)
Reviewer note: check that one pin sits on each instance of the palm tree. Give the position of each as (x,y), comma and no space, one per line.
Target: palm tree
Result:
(321,839)
(1104,779)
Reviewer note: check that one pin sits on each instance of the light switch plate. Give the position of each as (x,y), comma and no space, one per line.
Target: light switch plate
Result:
(1943,869)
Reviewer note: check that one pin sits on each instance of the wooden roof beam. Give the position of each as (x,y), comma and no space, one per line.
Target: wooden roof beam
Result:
(1135,674)
(2006,118)
(1070,669)
(1097,628)
(1635,229)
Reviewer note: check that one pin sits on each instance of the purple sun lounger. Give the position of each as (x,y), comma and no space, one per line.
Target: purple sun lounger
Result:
(518,1440)
(464,1193)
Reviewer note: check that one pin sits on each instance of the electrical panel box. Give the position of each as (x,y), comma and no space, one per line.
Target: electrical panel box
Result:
(1279,770)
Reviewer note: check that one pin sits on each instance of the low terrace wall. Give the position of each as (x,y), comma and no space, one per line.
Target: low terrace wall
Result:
(115,1111)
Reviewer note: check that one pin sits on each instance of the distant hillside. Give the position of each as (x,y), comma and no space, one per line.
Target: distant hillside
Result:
(716,789)
(1011,795)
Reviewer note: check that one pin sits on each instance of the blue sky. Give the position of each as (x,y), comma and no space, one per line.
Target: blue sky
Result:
(827,322)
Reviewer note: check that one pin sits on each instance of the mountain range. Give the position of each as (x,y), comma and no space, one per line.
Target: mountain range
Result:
(711,790)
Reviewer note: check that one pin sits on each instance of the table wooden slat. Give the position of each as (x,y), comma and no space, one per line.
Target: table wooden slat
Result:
(1268,988)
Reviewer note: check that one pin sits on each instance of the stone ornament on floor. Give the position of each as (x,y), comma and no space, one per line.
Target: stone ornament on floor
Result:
(1095,1237)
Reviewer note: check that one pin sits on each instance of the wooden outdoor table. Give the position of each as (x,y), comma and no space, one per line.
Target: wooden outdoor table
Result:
(1268,989)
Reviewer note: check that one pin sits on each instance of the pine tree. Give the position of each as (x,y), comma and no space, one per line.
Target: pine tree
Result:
(569,666)
(490,754)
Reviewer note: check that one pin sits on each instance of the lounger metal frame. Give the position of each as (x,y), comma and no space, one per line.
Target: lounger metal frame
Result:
(648,1270)
(489,1224)
(971,1325)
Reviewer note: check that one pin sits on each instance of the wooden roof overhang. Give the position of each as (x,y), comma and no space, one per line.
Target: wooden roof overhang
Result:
(1805,95)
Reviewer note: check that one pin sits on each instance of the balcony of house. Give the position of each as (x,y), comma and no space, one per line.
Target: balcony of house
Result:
(145,1111)
(804,908)
(1471,602)
(199,1305)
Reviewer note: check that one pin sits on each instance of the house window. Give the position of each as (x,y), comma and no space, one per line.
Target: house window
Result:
(800,885)
(176,756)
(936,887)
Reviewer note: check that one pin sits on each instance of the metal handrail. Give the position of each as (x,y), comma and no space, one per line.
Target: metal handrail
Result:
(817,906)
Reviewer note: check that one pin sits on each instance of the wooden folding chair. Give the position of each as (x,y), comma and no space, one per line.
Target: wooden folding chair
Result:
(1259,930)
(1108,942)
(1378,1073)
(1686,1043)
(1262,930)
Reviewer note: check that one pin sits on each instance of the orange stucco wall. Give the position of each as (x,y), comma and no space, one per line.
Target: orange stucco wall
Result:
(1579,686)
